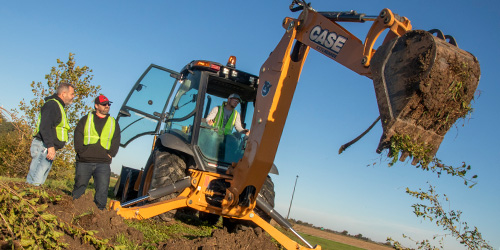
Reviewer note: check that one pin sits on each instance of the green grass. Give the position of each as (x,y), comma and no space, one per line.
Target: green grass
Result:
(158,231)
(328,244)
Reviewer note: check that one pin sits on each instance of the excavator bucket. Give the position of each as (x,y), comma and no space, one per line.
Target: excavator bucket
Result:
(423,84)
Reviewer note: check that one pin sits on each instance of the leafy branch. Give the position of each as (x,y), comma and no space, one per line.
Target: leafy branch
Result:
(449,220)
(400,143)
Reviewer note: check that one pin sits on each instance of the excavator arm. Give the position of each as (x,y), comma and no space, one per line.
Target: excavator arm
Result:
(423,84)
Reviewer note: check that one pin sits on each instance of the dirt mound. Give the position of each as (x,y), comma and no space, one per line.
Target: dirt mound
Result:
(83,213)
(221,239)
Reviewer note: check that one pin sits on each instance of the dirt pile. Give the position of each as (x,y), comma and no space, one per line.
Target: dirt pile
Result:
(84,214)
(221,239)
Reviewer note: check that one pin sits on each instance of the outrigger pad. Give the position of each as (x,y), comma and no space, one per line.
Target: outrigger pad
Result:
(423,85)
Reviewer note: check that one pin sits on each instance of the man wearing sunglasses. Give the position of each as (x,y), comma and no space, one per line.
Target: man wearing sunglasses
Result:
(97,139)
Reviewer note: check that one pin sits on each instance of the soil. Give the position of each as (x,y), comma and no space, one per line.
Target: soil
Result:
(84,214)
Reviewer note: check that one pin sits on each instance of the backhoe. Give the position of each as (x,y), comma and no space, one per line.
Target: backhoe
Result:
(422,80)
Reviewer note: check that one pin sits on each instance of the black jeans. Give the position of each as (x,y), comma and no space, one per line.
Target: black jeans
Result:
(101,173)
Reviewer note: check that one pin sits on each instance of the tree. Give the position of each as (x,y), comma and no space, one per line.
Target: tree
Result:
(81,79)
(15,141)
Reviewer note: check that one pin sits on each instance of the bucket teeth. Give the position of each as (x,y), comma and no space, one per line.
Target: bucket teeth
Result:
(403,156)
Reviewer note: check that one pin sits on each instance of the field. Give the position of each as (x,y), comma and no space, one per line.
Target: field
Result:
(329,240)
(82,226)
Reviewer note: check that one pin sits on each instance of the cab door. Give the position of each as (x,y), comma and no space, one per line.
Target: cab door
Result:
(143,111)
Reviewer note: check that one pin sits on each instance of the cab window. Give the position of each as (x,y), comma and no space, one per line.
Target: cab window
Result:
(213,142)
(182,111)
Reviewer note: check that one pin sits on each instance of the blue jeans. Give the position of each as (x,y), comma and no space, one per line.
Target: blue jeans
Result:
(40,166)
(101,173)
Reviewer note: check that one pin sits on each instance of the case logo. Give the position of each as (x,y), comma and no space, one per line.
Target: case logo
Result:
(330,43)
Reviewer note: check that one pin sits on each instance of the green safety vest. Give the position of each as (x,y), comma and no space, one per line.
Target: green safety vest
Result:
(62,128)
(219,120)
(90,135)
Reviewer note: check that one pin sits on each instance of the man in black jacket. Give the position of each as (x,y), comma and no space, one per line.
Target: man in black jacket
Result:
(51,133)
(97,139)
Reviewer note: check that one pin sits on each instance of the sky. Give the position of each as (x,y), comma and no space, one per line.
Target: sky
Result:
(355,191)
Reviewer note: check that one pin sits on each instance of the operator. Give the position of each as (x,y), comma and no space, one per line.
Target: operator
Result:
(97,139)
(51,133)
(226,117)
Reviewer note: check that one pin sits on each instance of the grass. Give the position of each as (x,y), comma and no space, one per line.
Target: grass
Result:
(328,244)
(324,243)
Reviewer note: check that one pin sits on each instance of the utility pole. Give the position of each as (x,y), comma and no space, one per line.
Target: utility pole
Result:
(292,197)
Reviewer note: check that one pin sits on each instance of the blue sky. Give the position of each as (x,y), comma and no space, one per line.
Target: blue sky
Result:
(354,191)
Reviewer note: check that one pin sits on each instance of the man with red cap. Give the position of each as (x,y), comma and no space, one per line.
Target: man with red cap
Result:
(96,141)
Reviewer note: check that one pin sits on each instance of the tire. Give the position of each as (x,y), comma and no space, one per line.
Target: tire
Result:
(168,168)
(267,191)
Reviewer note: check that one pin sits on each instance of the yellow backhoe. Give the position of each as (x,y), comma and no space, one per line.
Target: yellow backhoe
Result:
(422,80)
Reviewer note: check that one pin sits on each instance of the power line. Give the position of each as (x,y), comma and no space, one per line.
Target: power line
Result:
(292,197)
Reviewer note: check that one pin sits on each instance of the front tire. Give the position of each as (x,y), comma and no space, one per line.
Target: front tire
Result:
(168,168)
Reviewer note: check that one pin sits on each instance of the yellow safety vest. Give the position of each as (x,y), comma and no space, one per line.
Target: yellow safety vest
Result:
(62,128)
(219,120)
(90,135)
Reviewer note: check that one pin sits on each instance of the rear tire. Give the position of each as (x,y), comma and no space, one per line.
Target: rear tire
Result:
(267,191)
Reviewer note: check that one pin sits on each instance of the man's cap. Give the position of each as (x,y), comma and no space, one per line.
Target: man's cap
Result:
(102,100)
(234,95)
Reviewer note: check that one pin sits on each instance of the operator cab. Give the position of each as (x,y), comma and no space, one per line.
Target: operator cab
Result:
(178,119)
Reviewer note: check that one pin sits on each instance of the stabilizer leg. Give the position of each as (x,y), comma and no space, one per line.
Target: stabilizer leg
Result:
(150,210)
(284,240)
